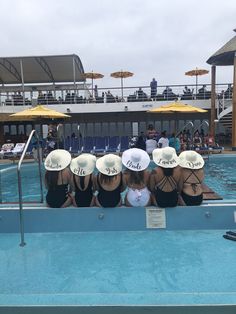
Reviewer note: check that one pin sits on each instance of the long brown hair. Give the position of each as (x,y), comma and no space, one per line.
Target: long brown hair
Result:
(136,177)
(51,178)
(105,179)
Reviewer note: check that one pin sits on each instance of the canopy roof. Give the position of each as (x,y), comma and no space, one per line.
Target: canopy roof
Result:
(41,69)
(225,55)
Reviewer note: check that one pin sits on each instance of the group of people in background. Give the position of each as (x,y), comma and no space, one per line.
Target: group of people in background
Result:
(131,180)
(180,142)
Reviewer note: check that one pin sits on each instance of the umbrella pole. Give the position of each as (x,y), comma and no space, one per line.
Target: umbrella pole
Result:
(122,89)
(92,87)
(196,86)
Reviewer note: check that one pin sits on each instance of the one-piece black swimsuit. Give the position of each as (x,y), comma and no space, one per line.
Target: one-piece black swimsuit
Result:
(166,199)
(109,198)
(83,197)
(57,195)
(191,200)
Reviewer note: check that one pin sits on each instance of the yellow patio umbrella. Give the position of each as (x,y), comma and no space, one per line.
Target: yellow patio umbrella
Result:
(39,112)
(122,74)
(177,107)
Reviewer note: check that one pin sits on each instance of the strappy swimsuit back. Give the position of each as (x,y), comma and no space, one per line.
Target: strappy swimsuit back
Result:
(83,197)
(109,198)
(192,199)
(57,196)
(166,199)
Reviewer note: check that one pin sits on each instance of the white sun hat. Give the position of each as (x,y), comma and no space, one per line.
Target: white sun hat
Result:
(83,165)
(165,157)
(57,160)
(191,160)
(135,159)
(109,164)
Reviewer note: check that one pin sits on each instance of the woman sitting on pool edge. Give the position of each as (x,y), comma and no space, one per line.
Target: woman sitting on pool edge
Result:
(192,176)
(57,178)
(136,177)
(108,183)
(164,179)
(82,168)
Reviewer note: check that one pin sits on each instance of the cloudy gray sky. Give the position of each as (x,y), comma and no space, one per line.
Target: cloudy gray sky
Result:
(152,38)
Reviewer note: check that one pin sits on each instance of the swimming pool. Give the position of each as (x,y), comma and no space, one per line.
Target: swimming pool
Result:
(111,260)
(220,175)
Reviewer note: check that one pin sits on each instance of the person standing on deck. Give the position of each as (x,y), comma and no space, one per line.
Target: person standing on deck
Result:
(163,141)
(153,86)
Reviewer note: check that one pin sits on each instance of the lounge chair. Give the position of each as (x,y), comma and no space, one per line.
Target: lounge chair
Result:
(100,144)
(6,149)
(113,144)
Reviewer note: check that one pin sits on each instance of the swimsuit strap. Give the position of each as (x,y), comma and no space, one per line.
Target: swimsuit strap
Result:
(61,178)
(193,184)
(166,179)
(192,172)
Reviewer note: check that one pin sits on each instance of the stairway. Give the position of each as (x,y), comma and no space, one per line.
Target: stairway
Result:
(225,116)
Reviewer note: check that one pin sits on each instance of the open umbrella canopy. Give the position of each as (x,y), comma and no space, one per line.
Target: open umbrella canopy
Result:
(176,107)
(196,72)
(122,74)
(93,75)
(40,112)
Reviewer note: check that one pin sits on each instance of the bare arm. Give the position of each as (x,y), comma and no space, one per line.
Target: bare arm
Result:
(152,181)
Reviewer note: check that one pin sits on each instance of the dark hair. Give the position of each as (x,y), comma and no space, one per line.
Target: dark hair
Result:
(51,178)
(136,177)
(106,179)
(168,171)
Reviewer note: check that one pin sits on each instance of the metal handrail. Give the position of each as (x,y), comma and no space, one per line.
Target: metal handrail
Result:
(207,124)
(22,243)
(189,122)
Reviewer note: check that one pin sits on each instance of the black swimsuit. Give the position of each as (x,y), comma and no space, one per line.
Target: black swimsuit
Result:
(109,198)
(166,199)
(191,200)
(83,197)
(58,195)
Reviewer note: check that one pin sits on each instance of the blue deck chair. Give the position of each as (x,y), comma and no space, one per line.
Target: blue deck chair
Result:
(100,144)
(74,149)
(88,145)
(124,143)
(67,143)
(113,143)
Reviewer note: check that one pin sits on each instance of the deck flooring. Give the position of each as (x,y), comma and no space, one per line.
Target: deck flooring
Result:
(209,194)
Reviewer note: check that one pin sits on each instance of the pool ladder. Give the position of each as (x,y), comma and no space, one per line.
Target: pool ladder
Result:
(22,243)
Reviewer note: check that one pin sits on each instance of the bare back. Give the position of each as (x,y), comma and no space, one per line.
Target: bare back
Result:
(158,176)
(191,181)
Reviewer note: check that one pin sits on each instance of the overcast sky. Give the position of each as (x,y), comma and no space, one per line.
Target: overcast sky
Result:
(151,38)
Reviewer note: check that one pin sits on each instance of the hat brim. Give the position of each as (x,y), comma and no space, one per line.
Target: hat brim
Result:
(65,159)
(83,171)
(115,169)
(188,164)
(141,165)
(160,161)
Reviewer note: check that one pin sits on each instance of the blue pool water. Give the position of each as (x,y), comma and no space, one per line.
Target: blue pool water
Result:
(220,175)
(141,267)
